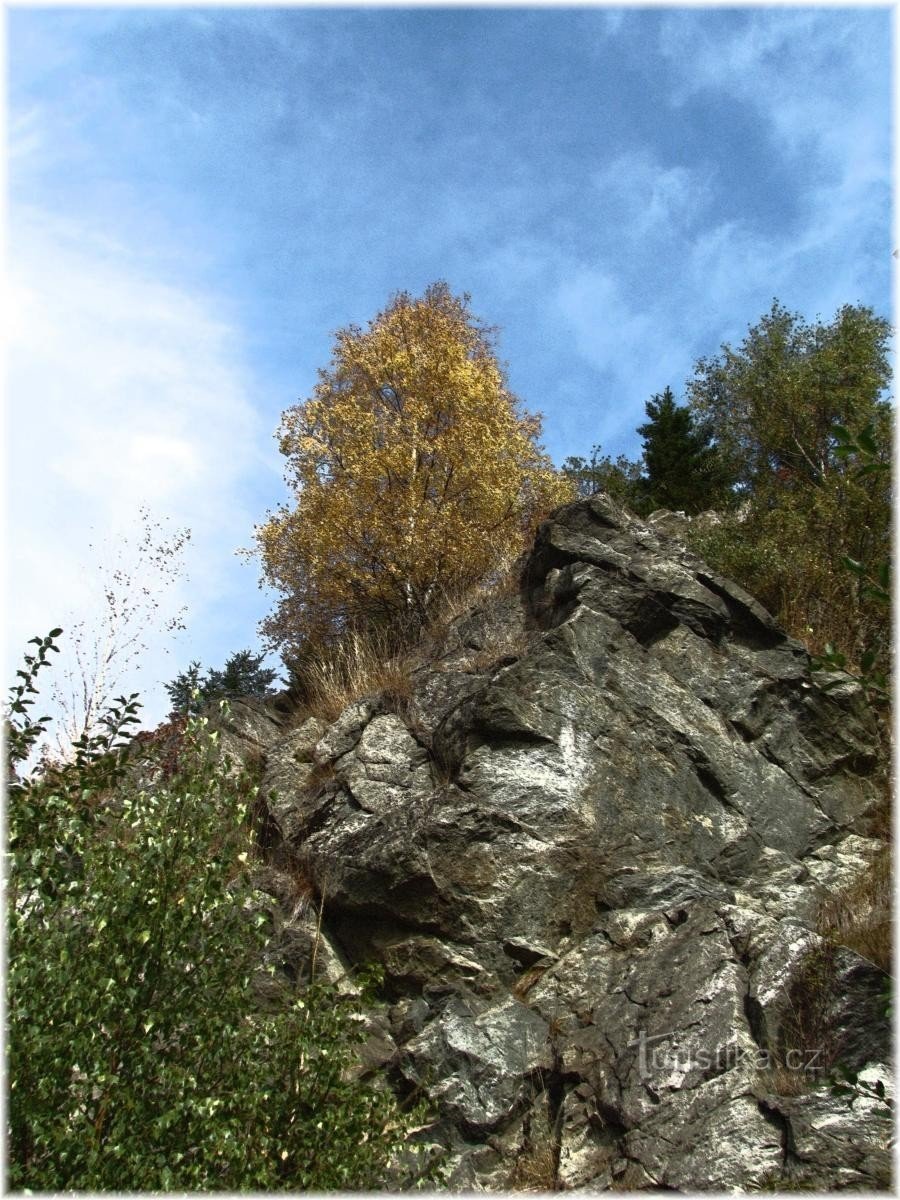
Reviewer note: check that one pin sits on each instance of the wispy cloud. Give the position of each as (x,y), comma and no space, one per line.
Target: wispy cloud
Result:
(211,193)
(649,198)
(676,270)
(125,391)
(808,76)
(809,80)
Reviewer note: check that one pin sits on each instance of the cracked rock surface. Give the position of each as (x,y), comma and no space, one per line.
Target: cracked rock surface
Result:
(590,867)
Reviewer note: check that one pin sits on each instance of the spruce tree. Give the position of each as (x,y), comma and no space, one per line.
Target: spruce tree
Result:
(243,675)
(684,470)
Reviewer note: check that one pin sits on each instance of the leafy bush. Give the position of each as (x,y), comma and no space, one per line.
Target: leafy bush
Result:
(620,479)
(873,581)
(139,1056)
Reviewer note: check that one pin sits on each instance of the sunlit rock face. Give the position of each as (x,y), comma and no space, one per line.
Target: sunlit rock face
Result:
(590,865)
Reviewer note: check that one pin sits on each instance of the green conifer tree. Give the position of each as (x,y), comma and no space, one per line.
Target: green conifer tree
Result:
(243,675)
(684,470)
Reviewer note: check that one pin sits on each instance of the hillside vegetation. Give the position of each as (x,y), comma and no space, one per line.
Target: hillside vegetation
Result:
(149,1044)
(789,437)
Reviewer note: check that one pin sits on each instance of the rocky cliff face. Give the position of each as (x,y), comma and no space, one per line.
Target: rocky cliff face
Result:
(591,869)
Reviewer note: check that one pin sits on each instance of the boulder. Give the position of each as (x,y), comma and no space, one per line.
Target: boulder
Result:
(590,866)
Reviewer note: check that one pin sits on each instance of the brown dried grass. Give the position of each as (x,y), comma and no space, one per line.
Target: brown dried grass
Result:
(785,1082)
(535,1169)
(859,916)
(528,979)
(378,662)
(457,602)
(360,665)
(513,645)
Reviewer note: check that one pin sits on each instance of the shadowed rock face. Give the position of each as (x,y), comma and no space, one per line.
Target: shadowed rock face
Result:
(590,873)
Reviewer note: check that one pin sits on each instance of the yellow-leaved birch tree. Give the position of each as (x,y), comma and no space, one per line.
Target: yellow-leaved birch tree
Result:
(414,471)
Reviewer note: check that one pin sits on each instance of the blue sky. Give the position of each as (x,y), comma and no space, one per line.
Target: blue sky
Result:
(198,198)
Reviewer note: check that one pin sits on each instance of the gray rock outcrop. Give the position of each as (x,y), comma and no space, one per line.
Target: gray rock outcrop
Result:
(590,866)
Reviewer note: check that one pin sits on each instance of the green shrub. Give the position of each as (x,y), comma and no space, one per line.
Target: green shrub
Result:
(138,1055)
(816,496)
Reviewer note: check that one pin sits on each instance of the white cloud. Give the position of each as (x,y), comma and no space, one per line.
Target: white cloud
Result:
(25,135)
(808,73)
(649,199)
(124,391)
(807,77)
(614,335)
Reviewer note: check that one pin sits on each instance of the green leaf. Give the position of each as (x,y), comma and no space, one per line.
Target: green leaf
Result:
(875,468)
(101,996)
(866,439)
(876,593)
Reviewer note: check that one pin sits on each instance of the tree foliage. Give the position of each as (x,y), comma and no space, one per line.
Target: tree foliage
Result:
(138,1056)
(775,405)
(619,478)
(684,470)
(413,469)
(774,402)
(874,581)
(680,467)
(242,675)
(791,435)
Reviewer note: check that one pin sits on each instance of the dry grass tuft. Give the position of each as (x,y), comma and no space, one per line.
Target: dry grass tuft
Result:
(859,917)
(881,819)
(361,665)
(785,1082)
(456,603)
(320,774)
(298,890)
(795,1181)
(528,979)
(379,663)
(513,645)
(303,891)
(808,1035)
(536,1167)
